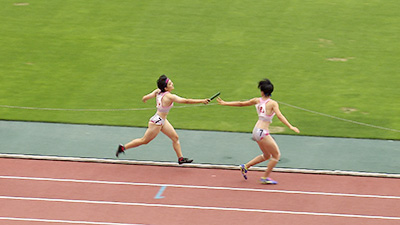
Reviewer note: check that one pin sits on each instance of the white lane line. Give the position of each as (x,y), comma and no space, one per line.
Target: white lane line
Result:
(62,221)
(200,187)
(199,207)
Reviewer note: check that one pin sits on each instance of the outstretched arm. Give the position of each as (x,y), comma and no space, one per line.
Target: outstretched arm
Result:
(176,98)
(282,118)
(151,95)
(250,102)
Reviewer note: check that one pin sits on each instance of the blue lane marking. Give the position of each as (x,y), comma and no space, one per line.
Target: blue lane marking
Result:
(160,192)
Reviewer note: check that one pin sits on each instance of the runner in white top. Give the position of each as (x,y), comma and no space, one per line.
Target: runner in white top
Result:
(266,109)
(164,102)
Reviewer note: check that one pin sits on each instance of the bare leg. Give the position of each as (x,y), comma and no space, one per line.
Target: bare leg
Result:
(258,159)
(269,147)
(151,132)
(169,130)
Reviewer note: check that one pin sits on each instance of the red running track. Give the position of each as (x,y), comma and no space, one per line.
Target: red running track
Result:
(36,192)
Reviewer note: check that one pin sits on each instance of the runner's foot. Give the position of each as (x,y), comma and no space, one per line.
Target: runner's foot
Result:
(244,170)
(267,180)
(182,160)
(121,149)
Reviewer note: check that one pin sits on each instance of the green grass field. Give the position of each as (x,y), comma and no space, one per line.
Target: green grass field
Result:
(337,57)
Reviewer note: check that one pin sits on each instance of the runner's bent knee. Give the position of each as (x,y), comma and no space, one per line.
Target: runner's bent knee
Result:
(266,156)
(276,157)
(175,139)
(145,141)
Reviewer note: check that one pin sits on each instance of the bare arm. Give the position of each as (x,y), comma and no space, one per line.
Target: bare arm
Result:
(282,118)
(250,102)
(176,98)
(151,95)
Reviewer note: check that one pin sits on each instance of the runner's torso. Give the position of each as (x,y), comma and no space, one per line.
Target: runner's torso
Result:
(159,102)
(263,119)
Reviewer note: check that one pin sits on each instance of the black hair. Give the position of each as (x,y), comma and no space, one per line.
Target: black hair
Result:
(266,86)
(162,82)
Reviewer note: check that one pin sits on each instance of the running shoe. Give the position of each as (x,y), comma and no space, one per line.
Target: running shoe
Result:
(244,170)
(267,180)
(182,160)
(121,149)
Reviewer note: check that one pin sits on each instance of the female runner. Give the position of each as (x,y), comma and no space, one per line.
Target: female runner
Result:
(266,109)
(164,100)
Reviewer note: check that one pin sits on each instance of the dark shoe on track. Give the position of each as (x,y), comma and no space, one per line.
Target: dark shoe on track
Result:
(182,160)
(121,149)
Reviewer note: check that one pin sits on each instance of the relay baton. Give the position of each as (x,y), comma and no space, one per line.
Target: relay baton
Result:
(214,96)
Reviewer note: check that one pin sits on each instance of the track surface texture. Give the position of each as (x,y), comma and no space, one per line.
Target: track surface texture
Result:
(51,192)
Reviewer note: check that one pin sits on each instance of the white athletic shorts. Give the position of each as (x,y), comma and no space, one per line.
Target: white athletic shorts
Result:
(157,120)
(259,134)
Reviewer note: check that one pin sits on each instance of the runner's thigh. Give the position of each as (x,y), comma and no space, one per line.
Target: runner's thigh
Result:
(152,131)
(169,130)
